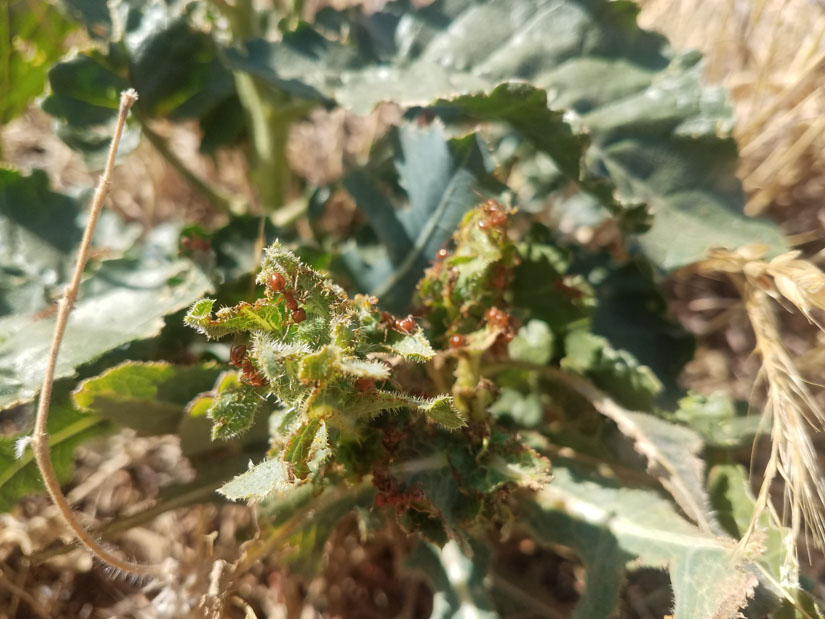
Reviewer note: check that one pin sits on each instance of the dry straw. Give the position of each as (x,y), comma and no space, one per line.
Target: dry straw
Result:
(790,407)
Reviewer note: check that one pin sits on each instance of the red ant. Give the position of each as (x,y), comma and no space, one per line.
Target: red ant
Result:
(291,303)
(195,243)
(406,325)
(299,314)
(277,283)
(498,317)
(238,358)
(251,375)
(365,384)
(500,277)
(496,215)
(458,341)
(237,354)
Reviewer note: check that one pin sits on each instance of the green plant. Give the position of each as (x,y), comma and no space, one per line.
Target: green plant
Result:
(424,372)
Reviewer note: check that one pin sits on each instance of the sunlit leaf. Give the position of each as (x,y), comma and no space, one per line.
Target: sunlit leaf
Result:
(614,528)
(124,300)
(149,397)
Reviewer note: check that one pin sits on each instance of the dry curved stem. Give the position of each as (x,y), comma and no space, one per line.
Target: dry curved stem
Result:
(40,439)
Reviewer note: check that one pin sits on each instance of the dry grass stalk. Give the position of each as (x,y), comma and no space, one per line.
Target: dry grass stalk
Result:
(789,405)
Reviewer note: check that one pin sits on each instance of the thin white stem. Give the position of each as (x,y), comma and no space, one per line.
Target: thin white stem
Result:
(40,440)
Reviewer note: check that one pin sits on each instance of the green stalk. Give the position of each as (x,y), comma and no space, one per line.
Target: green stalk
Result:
(269,113)
(269,128)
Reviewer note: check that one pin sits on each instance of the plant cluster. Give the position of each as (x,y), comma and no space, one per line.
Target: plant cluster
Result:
(481,353)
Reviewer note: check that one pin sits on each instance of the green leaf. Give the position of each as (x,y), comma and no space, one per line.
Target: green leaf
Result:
(672,451)
(506,461)
(542,285)
(616,371)
(92,14)
(424,464)
(259,482)
(533,343)
(232,406)
(172,66)
(716,417)
(457,580)
(303,549)
(615,528)
(525,409)
(30,41)
(68,428)
(674,458)
(124,300)
(440,178)
(85,93)
(309,438)
(631,312)
(730,494)
(657,135)
(148,397)
(440,410)
(39,231)
(524,107)
(413,347)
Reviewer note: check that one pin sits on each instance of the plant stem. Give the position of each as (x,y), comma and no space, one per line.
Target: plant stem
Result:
(217,198)
(40,440)
(269,118)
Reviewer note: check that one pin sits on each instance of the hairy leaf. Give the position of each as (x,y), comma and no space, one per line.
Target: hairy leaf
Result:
(543,285)
(232,406)
(672,451)
(614,528)
(440,410)
(525,409)
(506,461)
(731,496)
(631,312)
(424,465)
(533,343)
(300,447)
(259,482)
(718,419)
(304,548)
